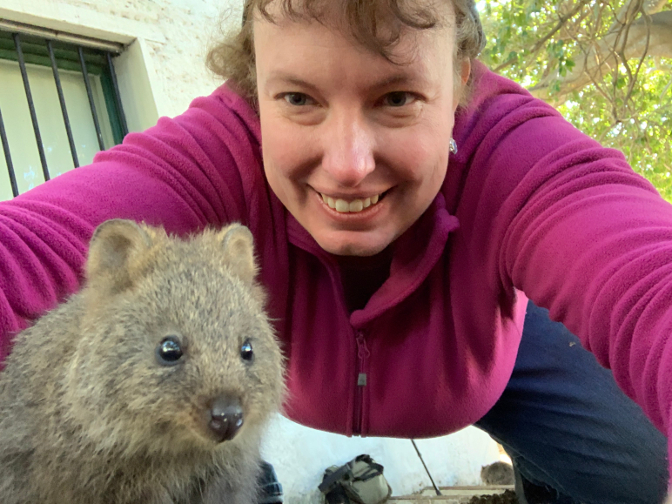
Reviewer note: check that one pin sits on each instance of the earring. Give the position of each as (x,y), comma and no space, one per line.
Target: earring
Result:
(453,146)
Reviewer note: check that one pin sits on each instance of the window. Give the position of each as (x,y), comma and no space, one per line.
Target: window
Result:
(59,106)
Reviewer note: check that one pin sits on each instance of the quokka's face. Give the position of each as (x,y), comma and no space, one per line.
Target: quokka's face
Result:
(188,356)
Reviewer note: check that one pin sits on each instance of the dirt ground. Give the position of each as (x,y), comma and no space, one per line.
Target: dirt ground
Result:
(508,497)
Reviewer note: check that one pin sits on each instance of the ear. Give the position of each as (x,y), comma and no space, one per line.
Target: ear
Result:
(114,246)
(465,72)
(238,245)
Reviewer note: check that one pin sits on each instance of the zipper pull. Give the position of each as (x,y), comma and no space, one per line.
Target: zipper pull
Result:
(362,353)
(362,350)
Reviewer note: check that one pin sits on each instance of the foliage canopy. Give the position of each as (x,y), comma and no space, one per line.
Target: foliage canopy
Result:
(607,66)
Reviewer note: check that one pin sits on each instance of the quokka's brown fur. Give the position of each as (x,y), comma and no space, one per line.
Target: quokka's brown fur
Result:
(92,413)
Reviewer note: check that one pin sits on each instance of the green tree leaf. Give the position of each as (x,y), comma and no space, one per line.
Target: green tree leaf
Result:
(626,102)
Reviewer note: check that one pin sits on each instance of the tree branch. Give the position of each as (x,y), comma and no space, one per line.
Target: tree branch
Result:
(542,42)
(653,38)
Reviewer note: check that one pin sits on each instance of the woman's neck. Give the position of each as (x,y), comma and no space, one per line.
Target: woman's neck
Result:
(362,276)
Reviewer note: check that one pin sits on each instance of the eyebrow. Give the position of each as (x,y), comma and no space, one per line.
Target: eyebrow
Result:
(399,78)
(391,80)
(284,78)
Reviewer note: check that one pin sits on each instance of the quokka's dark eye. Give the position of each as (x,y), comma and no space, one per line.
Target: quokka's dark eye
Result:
(169,351)
(246,352)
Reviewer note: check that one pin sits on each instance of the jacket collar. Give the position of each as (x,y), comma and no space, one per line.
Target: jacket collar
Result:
(415,253)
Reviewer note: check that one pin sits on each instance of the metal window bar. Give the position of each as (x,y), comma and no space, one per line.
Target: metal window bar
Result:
(31,105)
(89,92)
(8,158)
(61,99)
(107,50)
(117,96)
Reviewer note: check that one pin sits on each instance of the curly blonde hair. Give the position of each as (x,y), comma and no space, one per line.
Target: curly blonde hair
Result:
(233,57)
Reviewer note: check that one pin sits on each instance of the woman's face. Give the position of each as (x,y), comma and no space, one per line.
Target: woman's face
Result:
(354,146)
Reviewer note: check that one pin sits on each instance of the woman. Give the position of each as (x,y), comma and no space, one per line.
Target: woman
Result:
(405,203)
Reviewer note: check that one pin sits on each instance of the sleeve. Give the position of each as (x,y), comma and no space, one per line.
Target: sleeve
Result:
(185,173)
(570,224)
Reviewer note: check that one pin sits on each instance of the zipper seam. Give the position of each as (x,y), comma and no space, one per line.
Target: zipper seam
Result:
(363,354)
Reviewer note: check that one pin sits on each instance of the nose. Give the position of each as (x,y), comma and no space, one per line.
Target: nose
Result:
(348,148)
(226,417)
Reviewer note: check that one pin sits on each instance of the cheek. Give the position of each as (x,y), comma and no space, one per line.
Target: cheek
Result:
(277,157)
(436,144)
(422,156)
(273,141)
(282,150)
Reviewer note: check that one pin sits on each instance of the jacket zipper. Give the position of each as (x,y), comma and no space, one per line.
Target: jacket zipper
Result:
(362,354)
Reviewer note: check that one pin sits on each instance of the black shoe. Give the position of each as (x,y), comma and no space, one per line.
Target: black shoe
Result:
(270,488)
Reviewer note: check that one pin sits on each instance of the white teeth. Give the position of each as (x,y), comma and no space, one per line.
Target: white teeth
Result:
(354,206)
(342,206)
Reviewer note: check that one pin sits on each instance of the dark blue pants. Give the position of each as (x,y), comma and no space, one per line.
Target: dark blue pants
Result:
(572,435)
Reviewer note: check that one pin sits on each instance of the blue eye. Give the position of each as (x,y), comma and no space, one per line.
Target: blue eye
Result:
(246,352)
(169,351)
(297,99)
(398,99)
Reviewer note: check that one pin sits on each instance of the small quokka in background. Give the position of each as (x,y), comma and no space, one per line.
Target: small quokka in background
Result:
(497,473)
(151,385)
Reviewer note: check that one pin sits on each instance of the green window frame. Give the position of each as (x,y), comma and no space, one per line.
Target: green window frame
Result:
(68,56)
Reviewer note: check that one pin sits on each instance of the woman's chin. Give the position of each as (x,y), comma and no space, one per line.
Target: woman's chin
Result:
(363,244)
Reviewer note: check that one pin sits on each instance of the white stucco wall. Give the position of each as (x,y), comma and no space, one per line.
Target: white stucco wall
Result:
(161,71)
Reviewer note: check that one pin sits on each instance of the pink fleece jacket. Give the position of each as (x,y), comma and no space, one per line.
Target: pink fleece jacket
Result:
(529,205)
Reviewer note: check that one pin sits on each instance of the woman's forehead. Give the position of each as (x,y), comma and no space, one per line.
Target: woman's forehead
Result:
(365,15)
(311,55)
(386,36)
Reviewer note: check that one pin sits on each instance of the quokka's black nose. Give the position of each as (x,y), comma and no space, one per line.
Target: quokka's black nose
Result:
(226,417)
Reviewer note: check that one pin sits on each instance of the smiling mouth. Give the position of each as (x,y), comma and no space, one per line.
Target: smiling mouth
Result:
(351,206)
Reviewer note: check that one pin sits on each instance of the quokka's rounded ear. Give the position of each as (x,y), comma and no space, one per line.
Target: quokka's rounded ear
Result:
(238,245)
(114,246)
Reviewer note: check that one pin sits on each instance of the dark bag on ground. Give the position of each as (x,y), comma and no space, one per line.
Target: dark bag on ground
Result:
(360,481)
